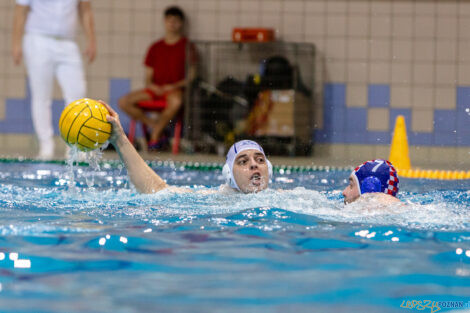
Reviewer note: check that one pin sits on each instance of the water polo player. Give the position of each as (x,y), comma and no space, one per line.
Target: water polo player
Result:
(246,168)
(376,178)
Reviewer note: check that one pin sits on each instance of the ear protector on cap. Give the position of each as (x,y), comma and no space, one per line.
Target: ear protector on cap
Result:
(371,184)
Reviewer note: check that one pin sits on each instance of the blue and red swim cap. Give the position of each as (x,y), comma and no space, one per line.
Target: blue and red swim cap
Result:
(376,176)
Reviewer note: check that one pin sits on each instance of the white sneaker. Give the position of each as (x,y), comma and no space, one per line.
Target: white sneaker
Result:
(46,150)
(45,154)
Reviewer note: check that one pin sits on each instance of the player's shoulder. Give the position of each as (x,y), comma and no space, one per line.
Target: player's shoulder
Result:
(380,197)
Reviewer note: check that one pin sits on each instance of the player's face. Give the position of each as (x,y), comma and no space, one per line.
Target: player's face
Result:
(173,24)
(351,192)
(250,171)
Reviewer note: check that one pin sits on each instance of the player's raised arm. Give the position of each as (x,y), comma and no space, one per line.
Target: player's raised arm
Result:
(141,175)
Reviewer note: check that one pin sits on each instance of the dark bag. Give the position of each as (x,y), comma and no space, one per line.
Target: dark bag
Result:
(277,73)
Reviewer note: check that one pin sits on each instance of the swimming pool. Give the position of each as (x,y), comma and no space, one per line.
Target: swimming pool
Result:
(101,247)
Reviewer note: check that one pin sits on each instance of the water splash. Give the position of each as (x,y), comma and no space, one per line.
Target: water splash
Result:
(104,193)
(75,156)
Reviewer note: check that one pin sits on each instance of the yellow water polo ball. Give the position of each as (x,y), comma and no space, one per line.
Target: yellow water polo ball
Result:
(83,124)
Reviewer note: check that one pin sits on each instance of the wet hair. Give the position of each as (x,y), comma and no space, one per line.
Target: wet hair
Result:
(174,11)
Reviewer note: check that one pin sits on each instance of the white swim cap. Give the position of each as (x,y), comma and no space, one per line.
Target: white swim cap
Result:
(232,153)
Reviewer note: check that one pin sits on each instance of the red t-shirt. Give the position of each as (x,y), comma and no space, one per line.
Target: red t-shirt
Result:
(167,61)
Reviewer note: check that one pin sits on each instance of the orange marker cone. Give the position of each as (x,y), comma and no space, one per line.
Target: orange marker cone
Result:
(399,155)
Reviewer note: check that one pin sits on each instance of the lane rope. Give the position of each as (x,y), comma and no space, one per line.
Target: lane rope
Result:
(280,169)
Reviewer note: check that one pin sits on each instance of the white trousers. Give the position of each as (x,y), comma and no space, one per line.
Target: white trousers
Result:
(47,58)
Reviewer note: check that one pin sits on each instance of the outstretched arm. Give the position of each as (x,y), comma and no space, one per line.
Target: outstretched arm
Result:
(141,175)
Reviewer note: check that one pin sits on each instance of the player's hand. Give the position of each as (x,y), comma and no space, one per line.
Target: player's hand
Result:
(117,132)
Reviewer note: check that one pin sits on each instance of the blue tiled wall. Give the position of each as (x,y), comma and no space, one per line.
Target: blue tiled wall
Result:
(117,89)
(342,124)
(18,115)
(18,111)
(349,125)
(378,96)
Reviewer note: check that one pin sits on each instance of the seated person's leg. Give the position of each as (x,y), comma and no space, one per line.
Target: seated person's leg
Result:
(174,100)
(129,104)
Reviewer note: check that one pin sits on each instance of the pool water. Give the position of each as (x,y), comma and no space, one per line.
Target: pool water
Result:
(95,245)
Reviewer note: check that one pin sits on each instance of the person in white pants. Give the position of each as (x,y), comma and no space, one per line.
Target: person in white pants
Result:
(50,52)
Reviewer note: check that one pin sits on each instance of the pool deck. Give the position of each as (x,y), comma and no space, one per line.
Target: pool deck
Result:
(313,161)
(213,158)
(323,156)
(339,156)
(200,158)
(196,157)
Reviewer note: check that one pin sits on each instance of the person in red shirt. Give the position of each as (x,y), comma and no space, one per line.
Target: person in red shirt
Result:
(165,76)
